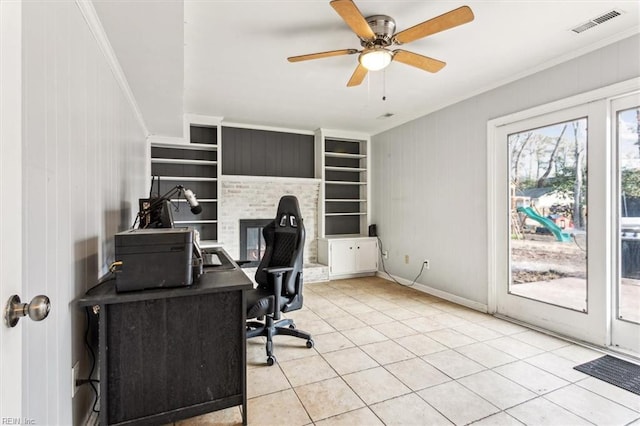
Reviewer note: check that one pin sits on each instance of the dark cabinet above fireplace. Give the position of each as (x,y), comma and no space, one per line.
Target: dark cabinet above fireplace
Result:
(256,152)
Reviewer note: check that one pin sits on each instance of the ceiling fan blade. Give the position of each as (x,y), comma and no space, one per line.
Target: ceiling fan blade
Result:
(322,55)
(418,61)
(448,20)
(358,76)
(349,12)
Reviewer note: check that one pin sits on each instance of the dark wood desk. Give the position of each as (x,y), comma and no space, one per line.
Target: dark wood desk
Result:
(171,354)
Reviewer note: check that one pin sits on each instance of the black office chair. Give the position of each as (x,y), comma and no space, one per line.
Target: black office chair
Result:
(279,278)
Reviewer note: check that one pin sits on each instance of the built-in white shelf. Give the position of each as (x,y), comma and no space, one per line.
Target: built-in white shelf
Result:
(343,155)
(184,222)
(196,166)
(346,214)
(341,182)
(339,159)
(189,179)
(200,200)
(192,146)
(345,169)
(183,161)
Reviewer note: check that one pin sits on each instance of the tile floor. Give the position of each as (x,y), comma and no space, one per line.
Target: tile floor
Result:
(386,354)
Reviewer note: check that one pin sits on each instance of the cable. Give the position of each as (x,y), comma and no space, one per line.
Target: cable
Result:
(113,267)
(135,222)
(575,240)
(108,277)
(153,179)
(417,276)
(93,363)
(384,268)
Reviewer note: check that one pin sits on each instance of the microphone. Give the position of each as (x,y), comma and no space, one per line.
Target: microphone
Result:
(193,202)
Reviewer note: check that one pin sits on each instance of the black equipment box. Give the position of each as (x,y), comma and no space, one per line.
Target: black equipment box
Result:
(154,258)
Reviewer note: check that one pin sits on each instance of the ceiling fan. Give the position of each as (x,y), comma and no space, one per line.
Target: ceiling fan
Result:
(377,34)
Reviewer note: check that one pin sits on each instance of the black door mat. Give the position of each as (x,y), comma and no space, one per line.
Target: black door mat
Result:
(618,372)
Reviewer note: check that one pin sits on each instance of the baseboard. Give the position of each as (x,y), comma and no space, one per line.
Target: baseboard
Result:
(437,293)
(607,350)
(345,276)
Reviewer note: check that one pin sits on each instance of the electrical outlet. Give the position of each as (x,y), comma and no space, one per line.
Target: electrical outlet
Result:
(75,370)
(385,254)
(406,259)
(426,264)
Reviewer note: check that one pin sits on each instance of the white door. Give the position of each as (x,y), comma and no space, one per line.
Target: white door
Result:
(625,318)
(366,255)
(552,230)
(10,204)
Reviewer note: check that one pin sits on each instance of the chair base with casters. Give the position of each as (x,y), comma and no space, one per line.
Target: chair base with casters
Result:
(270,328)
(269,306)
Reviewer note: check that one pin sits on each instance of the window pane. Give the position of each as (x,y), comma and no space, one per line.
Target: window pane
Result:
(628,135)
(548,218)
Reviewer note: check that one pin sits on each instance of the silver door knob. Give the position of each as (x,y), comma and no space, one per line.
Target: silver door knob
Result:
(37,309)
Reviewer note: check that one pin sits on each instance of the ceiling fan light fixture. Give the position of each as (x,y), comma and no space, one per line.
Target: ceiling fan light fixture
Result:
(375,59)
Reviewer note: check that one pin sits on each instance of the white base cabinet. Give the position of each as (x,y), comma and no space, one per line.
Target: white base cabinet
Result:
(348,256)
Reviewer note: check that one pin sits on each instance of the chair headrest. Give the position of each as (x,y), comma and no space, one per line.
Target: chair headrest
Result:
(288,212)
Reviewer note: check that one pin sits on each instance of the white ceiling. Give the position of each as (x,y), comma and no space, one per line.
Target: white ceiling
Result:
(230,61)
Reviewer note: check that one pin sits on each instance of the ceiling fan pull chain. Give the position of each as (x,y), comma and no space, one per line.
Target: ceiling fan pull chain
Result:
(384,85)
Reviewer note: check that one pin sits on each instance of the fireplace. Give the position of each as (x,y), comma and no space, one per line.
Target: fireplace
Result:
(252,244)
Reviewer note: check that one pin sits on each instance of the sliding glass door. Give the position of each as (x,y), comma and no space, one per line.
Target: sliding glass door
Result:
(564,218)
(554,265)
(625,119)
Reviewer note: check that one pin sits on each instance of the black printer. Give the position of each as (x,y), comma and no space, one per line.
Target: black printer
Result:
(156,258)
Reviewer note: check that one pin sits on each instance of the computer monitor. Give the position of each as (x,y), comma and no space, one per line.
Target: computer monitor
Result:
(156,213)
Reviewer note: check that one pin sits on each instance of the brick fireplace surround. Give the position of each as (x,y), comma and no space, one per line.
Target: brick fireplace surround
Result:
(253,197)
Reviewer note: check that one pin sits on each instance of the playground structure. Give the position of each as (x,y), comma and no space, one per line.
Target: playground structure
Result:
(547,223)
(522,204)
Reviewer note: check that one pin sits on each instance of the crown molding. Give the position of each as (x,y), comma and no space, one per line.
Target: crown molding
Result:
(566,57)
(96,28)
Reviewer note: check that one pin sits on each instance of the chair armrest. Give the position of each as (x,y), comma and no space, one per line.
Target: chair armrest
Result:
(278,269)
(277,272)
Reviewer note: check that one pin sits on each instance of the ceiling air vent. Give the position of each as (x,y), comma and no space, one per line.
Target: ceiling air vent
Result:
(596,21)
(603,18)
(583,27)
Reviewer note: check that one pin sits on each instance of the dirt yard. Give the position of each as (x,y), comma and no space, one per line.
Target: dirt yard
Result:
(551,265)
(542,258)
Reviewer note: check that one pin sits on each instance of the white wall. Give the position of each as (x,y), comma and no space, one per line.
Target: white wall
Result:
(10,206)
(84,166)
(429,175)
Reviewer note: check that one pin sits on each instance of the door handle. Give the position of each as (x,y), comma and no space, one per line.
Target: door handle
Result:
(37,309)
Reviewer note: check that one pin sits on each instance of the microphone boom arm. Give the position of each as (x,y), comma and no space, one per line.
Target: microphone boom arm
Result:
(157,202)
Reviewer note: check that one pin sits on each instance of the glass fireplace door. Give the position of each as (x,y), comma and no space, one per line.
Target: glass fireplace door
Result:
(252,244)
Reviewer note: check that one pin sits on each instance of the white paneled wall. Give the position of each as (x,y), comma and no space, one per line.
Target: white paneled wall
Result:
(429,175)
(84,167)
(10,207)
